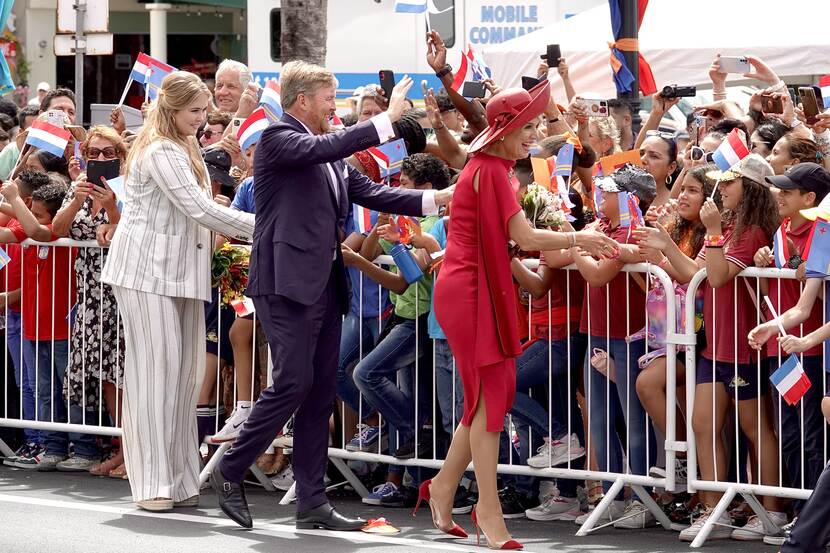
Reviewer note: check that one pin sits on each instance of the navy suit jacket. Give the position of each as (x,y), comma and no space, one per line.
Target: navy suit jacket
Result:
(299,222)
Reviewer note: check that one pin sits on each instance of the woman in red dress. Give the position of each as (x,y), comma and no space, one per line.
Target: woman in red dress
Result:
(475,304)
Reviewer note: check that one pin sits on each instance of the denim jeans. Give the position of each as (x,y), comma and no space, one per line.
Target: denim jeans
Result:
(611,403)
(449,392)
(50,359)
(376,377)
(24,375)
(357,337)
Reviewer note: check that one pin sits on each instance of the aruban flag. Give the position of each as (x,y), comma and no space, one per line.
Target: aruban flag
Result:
(364,218)
(824,84)
(410,6)
(732,150)
(564,161)
(780,250)
(817,250)
(251,129)
(270,100)
(150,72)
(630,214)
(389,156)
(335,123)
(45,136)
(243,307)
(790,380)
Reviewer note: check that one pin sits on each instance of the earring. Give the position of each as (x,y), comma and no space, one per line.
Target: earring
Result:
(668,180)
(502,139)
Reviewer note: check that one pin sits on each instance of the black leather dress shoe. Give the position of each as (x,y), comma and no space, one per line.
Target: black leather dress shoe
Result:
(326,517)
(232,499)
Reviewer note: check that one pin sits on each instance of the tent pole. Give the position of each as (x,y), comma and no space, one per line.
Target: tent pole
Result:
(630,14)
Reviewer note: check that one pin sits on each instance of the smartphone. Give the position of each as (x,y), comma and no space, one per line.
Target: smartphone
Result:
(530,82)
(236,122)
(809,103)
(473,89)
(95,169)
(56,117)
(771,104)
(596,108)
(387,82)
(699,128)
(819,97)
(77,132)
(734,64)
(552,55)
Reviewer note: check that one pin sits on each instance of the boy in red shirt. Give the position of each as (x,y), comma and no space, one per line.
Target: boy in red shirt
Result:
(46,312)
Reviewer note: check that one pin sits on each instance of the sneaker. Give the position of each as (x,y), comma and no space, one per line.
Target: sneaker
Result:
(513,503)
(463,502)
(556,452)
(286,441)
(678,512)
(680,471)
(635,517)
(405,496)
(75,464)
(284,479)
(233,425)
(407,450)
(782,536)
(366,438)
(22,450)
(614,512)
(48,463)
(31,459)
(754,529)
(555,507)
(720,531)
(379,492)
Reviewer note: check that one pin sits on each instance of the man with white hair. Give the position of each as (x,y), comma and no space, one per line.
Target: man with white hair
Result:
(232,78)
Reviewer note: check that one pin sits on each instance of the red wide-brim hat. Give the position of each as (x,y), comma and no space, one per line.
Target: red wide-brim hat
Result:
(509,110)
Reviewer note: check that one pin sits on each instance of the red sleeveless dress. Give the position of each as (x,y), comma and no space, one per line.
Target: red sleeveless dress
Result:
(474,299)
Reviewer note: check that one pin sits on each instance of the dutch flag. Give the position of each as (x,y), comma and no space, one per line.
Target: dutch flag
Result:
(335,123)
(150,72)
(364,219)
(271,101)
(45,136)
(780,250)
(251,129)
(732,150)
(410,6)
(824,84)
(790,380)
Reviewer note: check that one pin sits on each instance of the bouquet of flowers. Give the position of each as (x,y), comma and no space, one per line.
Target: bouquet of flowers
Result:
(542,207)
(229,271)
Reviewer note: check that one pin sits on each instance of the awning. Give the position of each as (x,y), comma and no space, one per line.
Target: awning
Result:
(231,4)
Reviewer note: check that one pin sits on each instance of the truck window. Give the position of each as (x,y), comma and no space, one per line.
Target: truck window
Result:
(444,20)
(276,31)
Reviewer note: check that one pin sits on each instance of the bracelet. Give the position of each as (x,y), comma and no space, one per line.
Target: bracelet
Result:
(714,241)
(446,70)
(795,123)
(443,126)
(663,262)
(571,239)
(719,95)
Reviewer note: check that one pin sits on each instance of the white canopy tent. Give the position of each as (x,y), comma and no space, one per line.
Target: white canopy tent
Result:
(679,39)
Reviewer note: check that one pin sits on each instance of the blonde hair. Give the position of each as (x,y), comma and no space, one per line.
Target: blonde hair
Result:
(300,77)
(178,90)
(110,135)
(607,128)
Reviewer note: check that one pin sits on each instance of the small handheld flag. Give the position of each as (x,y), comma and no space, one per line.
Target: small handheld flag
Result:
(46,136)
(117,187)
(817,250)
(732,150)
(4,258)
(471,68)
(824,84)
(790,380)
(271,101)
(243,307)
(364,219)
(564,161)
(251,129)
(630,214)
(389,156)
(780,249)
(150,72)
(410,6)
(335,123)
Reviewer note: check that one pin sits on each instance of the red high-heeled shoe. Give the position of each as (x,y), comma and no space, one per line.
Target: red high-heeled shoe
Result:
(504,546)
(423,495)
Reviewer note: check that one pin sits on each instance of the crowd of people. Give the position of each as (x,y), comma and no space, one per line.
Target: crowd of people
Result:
(589,393)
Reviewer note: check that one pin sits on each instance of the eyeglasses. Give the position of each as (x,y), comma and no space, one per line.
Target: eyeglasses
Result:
(95,153)
(661,134)
(699,153)
(207,133)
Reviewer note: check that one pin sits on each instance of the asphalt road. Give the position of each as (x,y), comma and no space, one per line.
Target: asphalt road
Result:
(78,513)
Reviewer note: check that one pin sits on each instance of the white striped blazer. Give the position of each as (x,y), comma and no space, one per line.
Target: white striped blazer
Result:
(163,243)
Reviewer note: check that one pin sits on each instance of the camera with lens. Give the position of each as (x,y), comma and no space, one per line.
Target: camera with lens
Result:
(674,91)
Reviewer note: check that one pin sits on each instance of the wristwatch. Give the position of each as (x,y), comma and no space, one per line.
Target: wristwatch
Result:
(446,70)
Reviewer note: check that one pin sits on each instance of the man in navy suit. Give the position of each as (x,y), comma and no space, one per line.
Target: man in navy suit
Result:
(298,281)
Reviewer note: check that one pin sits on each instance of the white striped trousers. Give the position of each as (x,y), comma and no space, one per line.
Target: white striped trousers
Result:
(164,364)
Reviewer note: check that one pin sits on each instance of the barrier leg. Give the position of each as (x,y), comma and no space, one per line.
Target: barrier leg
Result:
(5,449)
(762,514)
(600,509)
(652,506)
(262,478)
(290,495)
(205,474)
(721,507)
(350,476)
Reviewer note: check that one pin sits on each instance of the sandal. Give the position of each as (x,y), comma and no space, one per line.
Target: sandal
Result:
(119,472)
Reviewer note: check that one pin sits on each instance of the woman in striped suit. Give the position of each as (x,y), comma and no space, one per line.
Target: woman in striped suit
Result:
(159,267)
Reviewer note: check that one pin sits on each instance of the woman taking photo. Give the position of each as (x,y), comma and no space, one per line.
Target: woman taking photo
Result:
(476,280)
(159,268)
